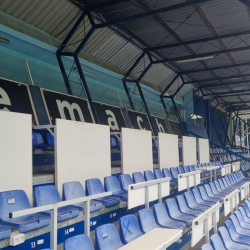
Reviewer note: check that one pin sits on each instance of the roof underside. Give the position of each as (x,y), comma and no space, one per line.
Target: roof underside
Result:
(219,28)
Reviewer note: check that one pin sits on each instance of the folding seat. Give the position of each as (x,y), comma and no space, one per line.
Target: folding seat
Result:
(38,141)
(163,220)
(246,208)
(186,169)
(111,184)
(74,190)
(50,140)
(174,172)
(138,177)
(230,183)
(129,228)
(231,189)
(167,173)
(235,236)
(204,173)
(192,167)
(207,247)
(107,238)
(114,143)
(228,242)
(146,220)
(217,243)
(210,194)
(220,189)
(49,194)
(5,232)
(17,200)
(180,170)
(244,215)
(191,202)
(159,175)
(238,220)
(199,200)
(206,197)
(176,214)
(215,190)
(94,186)
(149,176)
(79,242)
(125,180)
(182,205)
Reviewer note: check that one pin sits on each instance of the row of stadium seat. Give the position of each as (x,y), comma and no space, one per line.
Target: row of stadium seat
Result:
(236,232)
(42,140)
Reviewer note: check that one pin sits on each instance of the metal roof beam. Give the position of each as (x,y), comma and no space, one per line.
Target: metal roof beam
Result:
(149,13)
(217,52)
(221,84)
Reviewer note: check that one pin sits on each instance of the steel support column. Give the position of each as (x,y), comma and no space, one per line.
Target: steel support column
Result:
(230,112)
(178,114)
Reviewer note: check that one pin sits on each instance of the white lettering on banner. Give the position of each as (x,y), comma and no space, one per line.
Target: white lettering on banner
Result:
(71,108)
(139,120)
(5,100)
(112,120)
(160,127)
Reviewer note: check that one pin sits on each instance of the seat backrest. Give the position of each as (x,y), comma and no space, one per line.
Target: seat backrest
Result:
(94,186)
(149,176)
(208,190)
(37,139)
(146,220)
(181,202)
(12,201)
(239,216)
(186,169)
(72,190)
(79,242)
(217,184)
(125,180)
(197,195)
(107,238)
(224,235)
(50,139)
(138,177)
(166,172)
(174,172)
(112,184)
(45,195)
(158,173)
(207,247)
(189,197)
(213,188)
(191,168)
(129,228)
(160,213)
(230,227)
(217,242)
(180,170)
(171,206)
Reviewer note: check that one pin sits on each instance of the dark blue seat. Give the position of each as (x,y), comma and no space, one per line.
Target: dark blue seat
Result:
(176,214)
(49,194)
(217,243)
(206,197)
(191,202)
(167,173)
(129,228)
(111,184)
(174,172)
(146,220)
(79,242)
(159,175)
(180,170)
(163,220)
(186,169)
(5,232)
(191,168)
(74,190)
(107,238)
(182,205)
(50,139)
(207,247)
(38,141)
(114,143)
(125,180)
(17,200)
(138,177)
(149,176)
(94,186)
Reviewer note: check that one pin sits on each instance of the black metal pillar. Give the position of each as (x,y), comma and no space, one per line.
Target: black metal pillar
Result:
(178,114)
(225,140)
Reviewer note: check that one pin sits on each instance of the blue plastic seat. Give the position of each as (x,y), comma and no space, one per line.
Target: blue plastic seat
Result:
(200,200)
(182,205)
(146,220)
(79,242)
(220,188)
(191,168)
(129,228)
(94,186)
(167,173)
(163,220)
(74,190)
(246,208)
(114,143)
(210,194)
(149,176)
(228,242)
(138,177)
(244,215)
(217,243)
(174,172)
(5,232)
(49,194)
(107,238)
(38,141)
(50,139)
(176,214)
(180,170)
(191,202)
(238,220)
(186,169)
(207,247)
(112,185)
(125,180)
(224,185)
(215,191)
(158,173)
(17,200)
(206,197)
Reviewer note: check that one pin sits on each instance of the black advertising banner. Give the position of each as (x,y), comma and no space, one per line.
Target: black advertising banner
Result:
(66,107)
(176,128)
(139,120)
(111,116)
(159,124)
(14,97)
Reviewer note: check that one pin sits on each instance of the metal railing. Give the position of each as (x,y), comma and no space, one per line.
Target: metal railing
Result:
(187,175)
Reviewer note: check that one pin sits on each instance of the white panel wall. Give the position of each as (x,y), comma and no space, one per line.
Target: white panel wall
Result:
(16,152)
(137,155)
(82,152)
(188,150)
(168,150)
(204,151)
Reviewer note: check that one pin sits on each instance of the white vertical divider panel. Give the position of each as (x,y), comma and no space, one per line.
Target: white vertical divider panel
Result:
(188,150)
(137,155)
(203,151)
(16,152)
(168,150)
(82,152)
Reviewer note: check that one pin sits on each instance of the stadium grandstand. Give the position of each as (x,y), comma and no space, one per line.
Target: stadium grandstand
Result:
(124,124)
